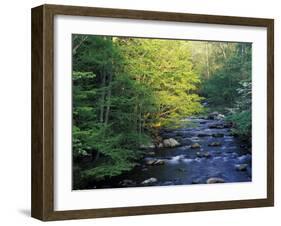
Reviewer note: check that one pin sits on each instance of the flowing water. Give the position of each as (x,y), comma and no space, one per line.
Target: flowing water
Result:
(228,159)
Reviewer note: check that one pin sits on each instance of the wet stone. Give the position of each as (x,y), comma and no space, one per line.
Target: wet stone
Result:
(196,181)
(170,143)
(215,180)
(216,126)
(227,125)
(154,162)
(218,135)
(203,154)
(195,145)
(241,167)
(167,183)
(127,183)
(149,181)
(214,144)
(186,141)
(244,158)
(207,153)
(151,153)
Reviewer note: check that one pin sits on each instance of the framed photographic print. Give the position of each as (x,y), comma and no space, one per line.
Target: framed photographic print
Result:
(141,112)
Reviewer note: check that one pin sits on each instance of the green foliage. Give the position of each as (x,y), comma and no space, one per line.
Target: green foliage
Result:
(228,65)
(241,114)
(126,89)
(164,68)
(242,123)
(225,69)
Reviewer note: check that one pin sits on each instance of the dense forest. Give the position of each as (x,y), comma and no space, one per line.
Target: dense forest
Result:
(126,90)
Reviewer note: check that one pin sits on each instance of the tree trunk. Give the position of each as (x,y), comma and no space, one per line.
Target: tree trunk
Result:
(140,121)
(207,60)
(108,99)
(102,96)
(83,39)
(223,50)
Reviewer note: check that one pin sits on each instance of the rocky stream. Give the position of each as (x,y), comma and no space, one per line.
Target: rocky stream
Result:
(201,154)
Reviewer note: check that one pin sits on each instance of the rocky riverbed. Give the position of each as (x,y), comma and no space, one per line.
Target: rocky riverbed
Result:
(204,153)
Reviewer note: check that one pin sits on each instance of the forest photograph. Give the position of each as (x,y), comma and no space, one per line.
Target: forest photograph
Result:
(160,112)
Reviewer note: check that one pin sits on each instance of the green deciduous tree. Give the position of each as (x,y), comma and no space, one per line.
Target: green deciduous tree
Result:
(126,89)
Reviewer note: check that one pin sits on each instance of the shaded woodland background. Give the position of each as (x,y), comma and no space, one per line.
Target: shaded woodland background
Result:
(125,90)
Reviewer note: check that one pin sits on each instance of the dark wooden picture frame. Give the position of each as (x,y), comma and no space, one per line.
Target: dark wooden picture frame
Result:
(43,107)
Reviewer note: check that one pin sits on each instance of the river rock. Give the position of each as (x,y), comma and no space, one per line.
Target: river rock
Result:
(216,126)
(245,158)
(137,164)
(218,135)
(144,169)
(206,154)
(215,180)
(149,181)
(151,153)
(155,162)
(159,162)
(170,143)
(241,167)
(196,181)
(186,141)
(228,125)
(203,154)
(214,144)
(213,115)
(147,146)
(244,146)
(127,183)
(220,117)
(168,183)
(149,162)
(195,145)
(167,135)
(195,139)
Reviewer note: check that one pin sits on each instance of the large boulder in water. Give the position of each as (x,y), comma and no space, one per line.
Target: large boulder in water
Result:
(170,143)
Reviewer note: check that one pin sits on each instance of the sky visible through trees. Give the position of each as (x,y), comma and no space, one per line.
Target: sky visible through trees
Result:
(126,90)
